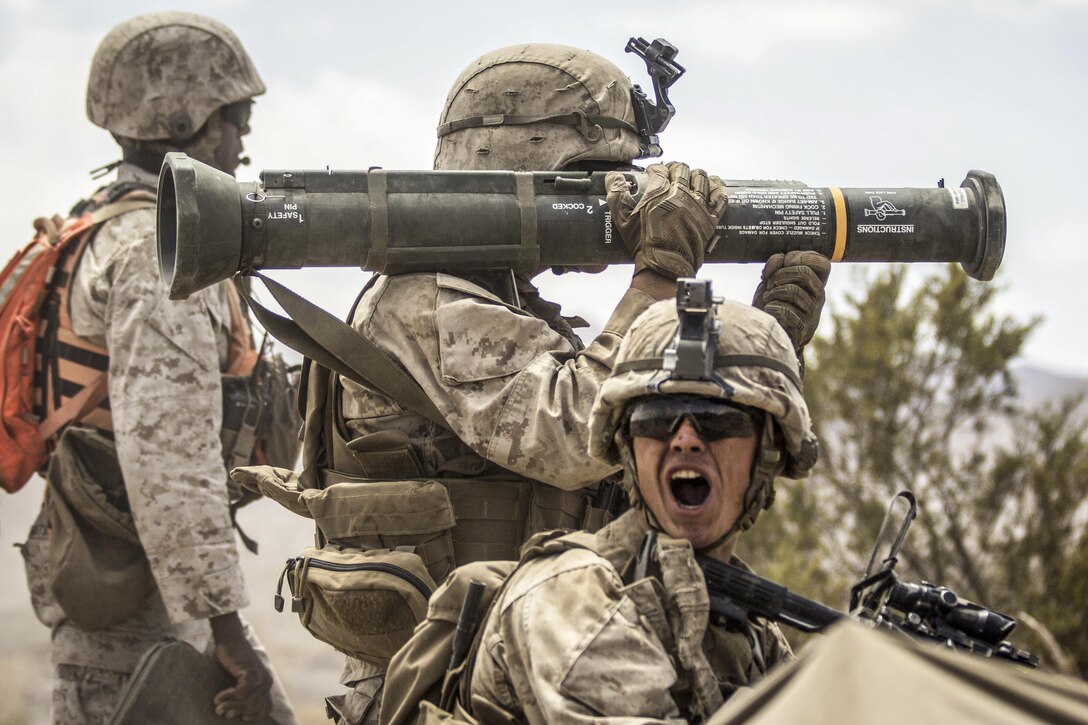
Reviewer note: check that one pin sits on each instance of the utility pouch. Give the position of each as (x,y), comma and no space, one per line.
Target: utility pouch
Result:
(364,603)
(416,515)
(98,571)
(366,514)
(35,553)
(388,542)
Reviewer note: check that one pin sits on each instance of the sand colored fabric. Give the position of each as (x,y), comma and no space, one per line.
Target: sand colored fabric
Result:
(881,677)
(98,571)
(569,640)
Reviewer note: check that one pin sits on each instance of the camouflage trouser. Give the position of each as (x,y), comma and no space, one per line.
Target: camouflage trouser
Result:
(90,695)
(362,704)
(85,694)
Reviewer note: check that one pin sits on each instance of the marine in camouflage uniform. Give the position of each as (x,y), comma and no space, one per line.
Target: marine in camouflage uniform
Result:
(617,624)
(502,365)
(162,82)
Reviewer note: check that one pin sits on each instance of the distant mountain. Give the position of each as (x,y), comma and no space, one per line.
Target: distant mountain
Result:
(1038,387)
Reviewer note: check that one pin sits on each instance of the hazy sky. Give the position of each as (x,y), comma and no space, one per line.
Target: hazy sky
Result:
(828,92)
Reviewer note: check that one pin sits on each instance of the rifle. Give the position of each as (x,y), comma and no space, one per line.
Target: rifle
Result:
(921,610)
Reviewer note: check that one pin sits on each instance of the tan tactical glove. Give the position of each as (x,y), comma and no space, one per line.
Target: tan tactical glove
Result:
(792,292)
(670,228)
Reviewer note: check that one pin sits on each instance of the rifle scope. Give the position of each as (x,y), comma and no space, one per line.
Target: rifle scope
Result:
(211,226)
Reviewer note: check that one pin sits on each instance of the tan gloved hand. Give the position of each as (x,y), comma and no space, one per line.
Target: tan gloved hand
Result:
(672,225)
(792,291)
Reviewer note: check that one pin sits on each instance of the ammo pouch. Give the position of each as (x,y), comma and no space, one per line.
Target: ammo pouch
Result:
(388,542)
(98,571)
(364,603)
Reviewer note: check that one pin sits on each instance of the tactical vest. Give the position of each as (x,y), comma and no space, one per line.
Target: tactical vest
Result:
(421,688)
(494,515)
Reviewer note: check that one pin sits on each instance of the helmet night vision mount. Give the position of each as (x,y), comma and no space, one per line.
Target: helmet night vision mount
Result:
(650,118)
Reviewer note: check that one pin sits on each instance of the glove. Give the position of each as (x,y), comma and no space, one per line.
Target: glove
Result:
(792,292)
(672,225)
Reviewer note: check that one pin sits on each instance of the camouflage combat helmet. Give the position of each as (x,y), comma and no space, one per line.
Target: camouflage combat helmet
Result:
(537,107)
(160,76)
(753,365)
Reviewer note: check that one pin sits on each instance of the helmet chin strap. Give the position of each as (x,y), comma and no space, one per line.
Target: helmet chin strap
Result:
(148,154)
(758,496)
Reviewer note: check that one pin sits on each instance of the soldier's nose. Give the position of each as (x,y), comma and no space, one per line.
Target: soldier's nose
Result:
(686,439)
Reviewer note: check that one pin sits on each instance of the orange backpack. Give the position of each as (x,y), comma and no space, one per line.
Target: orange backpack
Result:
(34,406)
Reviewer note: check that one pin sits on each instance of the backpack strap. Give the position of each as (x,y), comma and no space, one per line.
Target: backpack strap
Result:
(130,202)
(82,231)
(76,407)
(242,354)
(338,346)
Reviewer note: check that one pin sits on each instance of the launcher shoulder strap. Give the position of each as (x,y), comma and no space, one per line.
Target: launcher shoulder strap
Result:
(338,346)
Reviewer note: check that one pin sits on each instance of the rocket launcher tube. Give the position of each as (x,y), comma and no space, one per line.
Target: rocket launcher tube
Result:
(211,226)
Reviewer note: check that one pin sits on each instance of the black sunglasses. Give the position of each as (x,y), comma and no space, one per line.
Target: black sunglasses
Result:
(660,416)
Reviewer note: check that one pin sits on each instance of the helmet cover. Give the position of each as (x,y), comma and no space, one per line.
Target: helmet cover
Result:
(537,107)
(162,75)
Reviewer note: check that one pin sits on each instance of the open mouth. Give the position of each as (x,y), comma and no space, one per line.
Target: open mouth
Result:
(689,488)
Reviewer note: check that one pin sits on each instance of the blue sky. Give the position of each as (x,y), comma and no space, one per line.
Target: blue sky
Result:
(828,92)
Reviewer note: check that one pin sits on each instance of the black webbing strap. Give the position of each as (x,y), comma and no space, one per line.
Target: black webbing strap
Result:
(575,118)
(720,361)
(338,346)
(76,240)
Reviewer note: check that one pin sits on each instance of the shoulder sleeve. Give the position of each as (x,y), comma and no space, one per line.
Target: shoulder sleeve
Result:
(571,647)
(512,389)
(166,401)
(776,646)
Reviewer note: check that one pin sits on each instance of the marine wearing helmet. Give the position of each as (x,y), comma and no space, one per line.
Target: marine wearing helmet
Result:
(512,380)
(159,82)
(703,409)
(539,107)
(173,81)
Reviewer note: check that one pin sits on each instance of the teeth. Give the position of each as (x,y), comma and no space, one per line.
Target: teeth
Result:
(686,474)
